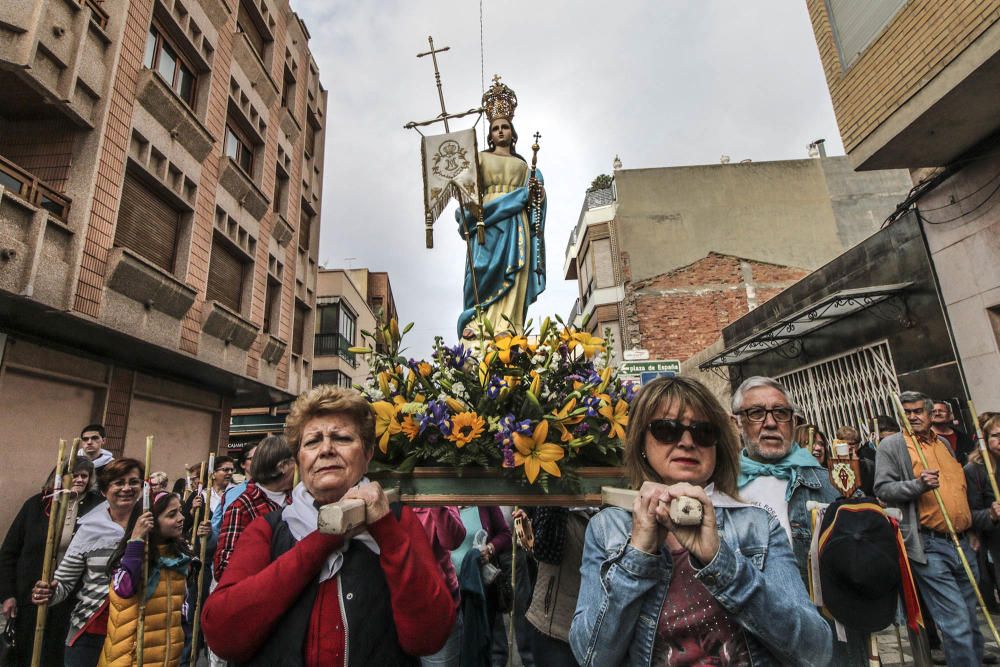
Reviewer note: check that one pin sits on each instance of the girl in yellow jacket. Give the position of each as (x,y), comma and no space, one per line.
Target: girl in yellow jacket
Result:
(170,560)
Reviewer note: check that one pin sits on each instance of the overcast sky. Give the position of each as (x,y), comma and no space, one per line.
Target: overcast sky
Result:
(658,83)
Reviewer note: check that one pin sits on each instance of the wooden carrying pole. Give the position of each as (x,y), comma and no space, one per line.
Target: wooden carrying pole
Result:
(50,549)
(987,456)
(64,505)
(947,519)
(140,635)
(202,550)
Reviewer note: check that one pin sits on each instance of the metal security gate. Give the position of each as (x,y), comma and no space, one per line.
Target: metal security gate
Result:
(846,390)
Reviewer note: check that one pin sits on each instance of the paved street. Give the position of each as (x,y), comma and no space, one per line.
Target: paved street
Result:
(889,652)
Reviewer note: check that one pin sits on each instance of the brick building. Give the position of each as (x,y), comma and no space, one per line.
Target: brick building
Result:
(667,257)
(689,306)
(914,86)
(160,187)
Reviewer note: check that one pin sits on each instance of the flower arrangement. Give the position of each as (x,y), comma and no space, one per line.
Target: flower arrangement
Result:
(536,405)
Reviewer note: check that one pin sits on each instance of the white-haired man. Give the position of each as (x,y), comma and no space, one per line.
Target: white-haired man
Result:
(779,475)
(901,480)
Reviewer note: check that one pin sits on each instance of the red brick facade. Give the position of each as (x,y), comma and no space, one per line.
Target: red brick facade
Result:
(683,311)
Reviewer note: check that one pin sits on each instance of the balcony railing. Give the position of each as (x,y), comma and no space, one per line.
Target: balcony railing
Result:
(334,344)
(99,15)
(17,181)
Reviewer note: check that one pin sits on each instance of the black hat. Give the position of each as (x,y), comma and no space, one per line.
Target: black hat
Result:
(859,564)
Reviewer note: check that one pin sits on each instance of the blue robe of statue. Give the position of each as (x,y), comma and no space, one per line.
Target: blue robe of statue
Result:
(506,263)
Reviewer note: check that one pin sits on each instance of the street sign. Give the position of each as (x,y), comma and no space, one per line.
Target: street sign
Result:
(654,366)
(636,354)
(649,376)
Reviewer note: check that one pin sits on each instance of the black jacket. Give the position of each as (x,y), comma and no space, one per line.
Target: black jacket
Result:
(21,557)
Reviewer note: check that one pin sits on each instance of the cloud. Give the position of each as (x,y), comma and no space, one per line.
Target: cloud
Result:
(657,83)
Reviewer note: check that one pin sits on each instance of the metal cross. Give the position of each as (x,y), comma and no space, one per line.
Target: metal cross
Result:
(538,135)
(437,76)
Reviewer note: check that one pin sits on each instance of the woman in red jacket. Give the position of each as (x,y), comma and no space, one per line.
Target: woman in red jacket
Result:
(291,595)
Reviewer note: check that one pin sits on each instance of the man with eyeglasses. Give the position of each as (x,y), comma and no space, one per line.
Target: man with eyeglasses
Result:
(774,471)
(92,446)
(902,481)
(782,477)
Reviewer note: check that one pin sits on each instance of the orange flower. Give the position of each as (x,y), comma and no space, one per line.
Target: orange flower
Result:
(466,427)
(410,428)
(386,424)
(617,418)
(535,454)
(563,418)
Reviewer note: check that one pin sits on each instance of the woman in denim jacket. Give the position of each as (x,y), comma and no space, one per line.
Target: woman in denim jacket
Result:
(726,592)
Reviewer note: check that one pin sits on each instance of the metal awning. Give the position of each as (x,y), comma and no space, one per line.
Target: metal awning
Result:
(826,311)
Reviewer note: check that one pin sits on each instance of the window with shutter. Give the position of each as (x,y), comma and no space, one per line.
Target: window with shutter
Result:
(225,275)
(299,329)
(305,228)
(147,225)
(857,24)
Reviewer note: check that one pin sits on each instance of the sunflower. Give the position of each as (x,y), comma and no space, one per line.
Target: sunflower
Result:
(535,454)
(466,427)
(386,424)
(617,418)
(410,428)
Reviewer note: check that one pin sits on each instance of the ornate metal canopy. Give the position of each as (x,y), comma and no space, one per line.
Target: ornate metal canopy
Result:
(791,328)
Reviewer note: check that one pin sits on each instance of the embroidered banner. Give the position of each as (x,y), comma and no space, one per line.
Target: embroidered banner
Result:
(451,169)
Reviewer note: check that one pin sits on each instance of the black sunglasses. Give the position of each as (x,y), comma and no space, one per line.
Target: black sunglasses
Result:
(670,431)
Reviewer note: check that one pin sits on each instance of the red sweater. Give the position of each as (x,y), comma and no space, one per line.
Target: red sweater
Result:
(254,592)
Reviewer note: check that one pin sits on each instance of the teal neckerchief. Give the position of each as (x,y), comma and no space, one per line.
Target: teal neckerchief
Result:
(178,563)
(786,468)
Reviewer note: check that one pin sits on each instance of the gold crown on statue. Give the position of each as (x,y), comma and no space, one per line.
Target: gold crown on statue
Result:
(499,101)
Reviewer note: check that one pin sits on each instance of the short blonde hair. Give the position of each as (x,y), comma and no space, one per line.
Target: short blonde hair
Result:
(686,393)
(158,477)
(327,399)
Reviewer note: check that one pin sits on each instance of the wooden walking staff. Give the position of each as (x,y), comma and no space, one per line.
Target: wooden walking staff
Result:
(64,506)
(140,640)
(203,548)
(947,519)
(987,456)
(50,549)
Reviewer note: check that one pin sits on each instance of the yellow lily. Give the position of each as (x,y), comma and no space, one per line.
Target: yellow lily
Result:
(568,336)
(424,369)
(455,405)
(535,454)
(386,424)
(505,346)
(591,345)
(564,418)
(617,418)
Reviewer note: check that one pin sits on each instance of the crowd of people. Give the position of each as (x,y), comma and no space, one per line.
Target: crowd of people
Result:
(434,585)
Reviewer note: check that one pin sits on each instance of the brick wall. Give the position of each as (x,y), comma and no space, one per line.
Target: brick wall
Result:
(683,311)
(117,409)
(921,40)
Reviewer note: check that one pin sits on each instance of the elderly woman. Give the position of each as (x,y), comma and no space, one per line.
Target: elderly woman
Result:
(86,560)
(291,595)
(726,591)
(21,559)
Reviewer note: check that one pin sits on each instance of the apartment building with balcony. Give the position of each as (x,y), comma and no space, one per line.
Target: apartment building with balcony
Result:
(342,313)
(914,86)
(667,257)
(160,193)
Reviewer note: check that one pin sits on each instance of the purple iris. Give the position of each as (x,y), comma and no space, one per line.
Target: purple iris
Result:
(592,403)
(459,354)
(494,387)
(436,415)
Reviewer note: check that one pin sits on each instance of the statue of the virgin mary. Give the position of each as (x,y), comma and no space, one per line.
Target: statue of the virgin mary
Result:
(506,265)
